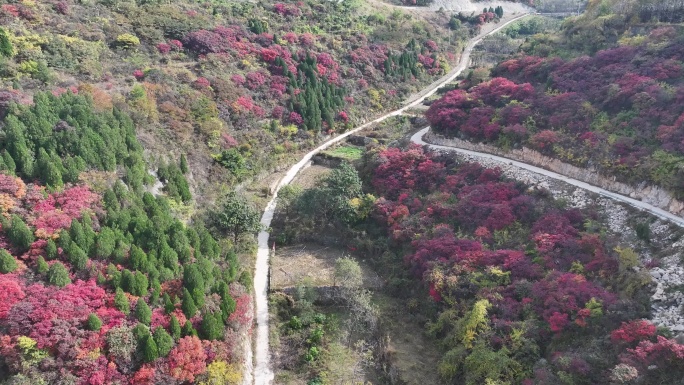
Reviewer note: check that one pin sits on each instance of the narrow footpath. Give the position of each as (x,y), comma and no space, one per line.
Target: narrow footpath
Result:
(263,374)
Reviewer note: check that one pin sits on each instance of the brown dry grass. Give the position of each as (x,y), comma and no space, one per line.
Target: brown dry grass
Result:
(315,263)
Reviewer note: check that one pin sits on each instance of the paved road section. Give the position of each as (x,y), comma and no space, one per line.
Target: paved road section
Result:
(418,139)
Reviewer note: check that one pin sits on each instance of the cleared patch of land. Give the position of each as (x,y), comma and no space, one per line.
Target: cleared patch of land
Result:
(313,263)
(307,177)
(348,153)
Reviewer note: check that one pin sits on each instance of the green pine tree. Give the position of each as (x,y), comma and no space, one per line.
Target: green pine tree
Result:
(78,235)
(17,145)
(77,257)
(121,301)
(150,350)
(93,323)
(141,332)
(227,307)
(188,330)
(139,284)
(143,312)
(154,296)
(51,250)
(105,242)
(58,275)
(19,234)
(212,326)
(48,170)
(163,340)
(193,279)
(6,49)
(198,297)
(114,276)
(174,327)
(188,305)
(41,266)
(88,232)
(137,258)
(183,164)
(9,162)
(168,304)
(64,239)
(127,280)
(7,262)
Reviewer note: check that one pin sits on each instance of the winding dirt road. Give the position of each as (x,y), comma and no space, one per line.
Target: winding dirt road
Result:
(263,374)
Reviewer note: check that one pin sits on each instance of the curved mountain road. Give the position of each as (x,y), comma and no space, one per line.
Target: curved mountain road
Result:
(262,374)
(417,138)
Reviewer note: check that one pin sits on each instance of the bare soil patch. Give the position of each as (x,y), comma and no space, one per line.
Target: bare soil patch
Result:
(315,263)
(307,178)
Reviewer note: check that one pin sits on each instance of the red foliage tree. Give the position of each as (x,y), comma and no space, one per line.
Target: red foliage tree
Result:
(631,331)
(163,48)
(243,311)
(144,376)
(187,359)
(10,293)
(663,353)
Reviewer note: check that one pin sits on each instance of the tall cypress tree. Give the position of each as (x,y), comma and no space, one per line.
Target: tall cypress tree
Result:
(58,275)
(183,164)
(51,249)
(48,170)
(150,350)
(212,326)
(188,330)
(20,234)
(6,49)
(9,162)
(18,146)
(143,312)
(163,340)
(188,306)
(7,262)
(174,327)
(168,304)
(121,301)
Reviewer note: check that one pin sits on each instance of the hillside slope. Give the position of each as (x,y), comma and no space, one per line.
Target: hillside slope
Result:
(237,86)
(618,111)
(125,128)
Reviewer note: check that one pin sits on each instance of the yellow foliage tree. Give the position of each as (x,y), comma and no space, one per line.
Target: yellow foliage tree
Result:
(30,353)
(127,40)
(474,322)
(222,373)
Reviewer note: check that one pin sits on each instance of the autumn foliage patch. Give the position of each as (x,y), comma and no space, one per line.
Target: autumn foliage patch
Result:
(620,110)
(514,277)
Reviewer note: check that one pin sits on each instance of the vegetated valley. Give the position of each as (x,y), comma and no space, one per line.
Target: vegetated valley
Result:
(136,138)
(140,139)
(402,265)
